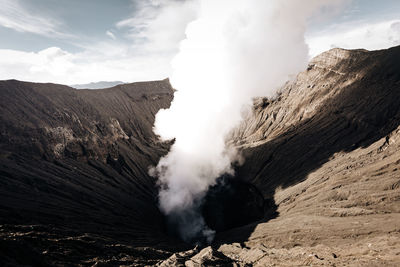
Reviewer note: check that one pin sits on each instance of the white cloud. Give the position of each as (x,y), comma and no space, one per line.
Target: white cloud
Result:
(14,16)
(56,65)
(371,36)
(159,26)
(153,32)
(111,35)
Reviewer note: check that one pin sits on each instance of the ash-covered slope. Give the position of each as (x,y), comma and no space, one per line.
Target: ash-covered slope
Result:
(346,99)
(326,150)
(74,170)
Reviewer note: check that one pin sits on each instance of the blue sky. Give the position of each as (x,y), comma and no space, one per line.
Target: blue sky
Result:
(85,20)
(75,41)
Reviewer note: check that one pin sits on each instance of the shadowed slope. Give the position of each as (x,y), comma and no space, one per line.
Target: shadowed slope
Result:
(74,162)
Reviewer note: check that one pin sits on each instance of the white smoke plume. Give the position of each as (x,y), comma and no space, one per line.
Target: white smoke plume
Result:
(235,50)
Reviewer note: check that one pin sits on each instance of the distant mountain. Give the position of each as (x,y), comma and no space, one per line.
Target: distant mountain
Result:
(96,85)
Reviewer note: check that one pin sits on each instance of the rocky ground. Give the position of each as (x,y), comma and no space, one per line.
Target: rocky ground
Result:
(324,153)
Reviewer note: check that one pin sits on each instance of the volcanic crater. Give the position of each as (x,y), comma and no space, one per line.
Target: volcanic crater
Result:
(319,185)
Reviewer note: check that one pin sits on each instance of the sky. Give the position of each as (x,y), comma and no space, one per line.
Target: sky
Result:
(75,41)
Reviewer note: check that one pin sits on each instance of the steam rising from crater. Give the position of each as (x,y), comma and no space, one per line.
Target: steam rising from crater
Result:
(235,50)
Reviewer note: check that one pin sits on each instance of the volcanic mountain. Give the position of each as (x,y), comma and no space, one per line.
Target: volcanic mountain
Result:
(324,154)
